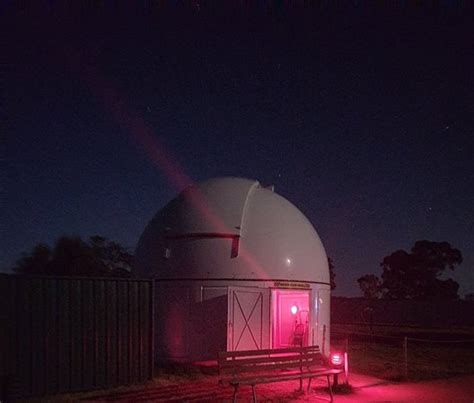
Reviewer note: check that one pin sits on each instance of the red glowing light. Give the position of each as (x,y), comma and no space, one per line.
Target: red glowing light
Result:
(336,359)
(294,309)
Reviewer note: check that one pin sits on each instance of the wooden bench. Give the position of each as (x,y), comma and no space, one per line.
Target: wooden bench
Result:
(255,367)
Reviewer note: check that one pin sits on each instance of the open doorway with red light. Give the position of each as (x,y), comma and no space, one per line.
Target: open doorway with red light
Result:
(290,318)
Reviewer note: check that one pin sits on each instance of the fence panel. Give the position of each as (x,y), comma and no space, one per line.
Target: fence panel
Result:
(70,334)
(395,356)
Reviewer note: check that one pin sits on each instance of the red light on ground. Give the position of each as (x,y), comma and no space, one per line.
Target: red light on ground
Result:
(336,359)
(294,309)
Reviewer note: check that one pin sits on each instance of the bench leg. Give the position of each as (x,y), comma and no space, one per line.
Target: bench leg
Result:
(330,387)
(254,393)
(236,387)
(309,383)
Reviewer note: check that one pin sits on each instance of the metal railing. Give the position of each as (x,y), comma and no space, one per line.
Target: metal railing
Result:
(407,357)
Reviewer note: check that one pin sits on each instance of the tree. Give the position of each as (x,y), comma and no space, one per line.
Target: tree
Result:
(332,275)
(415,275)
(370,285)
(37,262)
(71,256)
(113,255)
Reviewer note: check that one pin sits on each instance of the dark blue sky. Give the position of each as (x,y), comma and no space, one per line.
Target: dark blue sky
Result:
(363,119)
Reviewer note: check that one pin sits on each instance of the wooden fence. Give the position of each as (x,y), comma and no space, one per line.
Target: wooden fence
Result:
(69,334)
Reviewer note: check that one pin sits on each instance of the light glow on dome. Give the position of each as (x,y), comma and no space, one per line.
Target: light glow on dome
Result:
(258,235)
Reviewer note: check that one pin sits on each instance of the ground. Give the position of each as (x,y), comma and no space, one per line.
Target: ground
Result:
(365,389)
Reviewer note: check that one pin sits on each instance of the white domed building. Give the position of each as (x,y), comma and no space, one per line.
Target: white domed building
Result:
(236,267)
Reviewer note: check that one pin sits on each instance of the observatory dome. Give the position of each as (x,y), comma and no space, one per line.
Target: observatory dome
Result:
(231,228)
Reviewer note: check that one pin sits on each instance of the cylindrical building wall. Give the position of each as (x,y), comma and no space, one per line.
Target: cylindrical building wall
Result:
(197,319)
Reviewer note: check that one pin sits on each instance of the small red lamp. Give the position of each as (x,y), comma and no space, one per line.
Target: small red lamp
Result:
(336,360)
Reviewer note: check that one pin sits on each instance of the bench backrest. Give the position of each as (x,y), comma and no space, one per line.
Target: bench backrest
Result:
(234,362)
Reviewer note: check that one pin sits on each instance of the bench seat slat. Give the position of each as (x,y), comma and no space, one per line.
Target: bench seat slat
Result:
(282,378)
(301,358)
(265,356)
(262,367)
(316,349)
(281,375)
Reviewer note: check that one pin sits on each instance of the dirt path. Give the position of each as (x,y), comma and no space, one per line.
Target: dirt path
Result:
(365,389)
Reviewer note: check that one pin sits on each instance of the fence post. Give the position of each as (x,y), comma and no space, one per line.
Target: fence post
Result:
(324,340)
(405,354)
(346,362)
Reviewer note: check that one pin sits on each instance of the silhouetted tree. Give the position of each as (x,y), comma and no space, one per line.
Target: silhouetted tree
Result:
(71,256)
(37,262)
(332,275)
(113,255)
(415,275)
(370,285)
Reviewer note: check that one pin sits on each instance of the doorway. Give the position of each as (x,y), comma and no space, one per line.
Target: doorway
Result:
(290,318)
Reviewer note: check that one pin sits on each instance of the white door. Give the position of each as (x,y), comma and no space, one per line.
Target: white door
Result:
(248,318)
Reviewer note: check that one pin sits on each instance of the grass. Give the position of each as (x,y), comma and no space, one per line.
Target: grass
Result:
(435,361)
(178,371)
(165,375)
(377,360)
(385,358)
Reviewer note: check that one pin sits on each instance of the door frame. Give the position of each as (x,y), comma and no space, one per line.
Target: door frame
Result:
(273,314)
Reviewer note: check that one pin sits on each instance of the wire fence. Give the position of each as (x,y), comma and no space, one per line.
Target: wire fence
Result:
(398,356)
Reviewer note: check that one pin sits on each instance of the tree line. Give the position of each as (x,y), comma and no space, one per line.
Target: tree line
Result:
(416,274)
(72,256)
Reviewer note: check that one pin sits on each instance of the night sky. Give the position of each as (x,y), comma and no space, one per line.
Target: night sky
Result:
(361,117)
